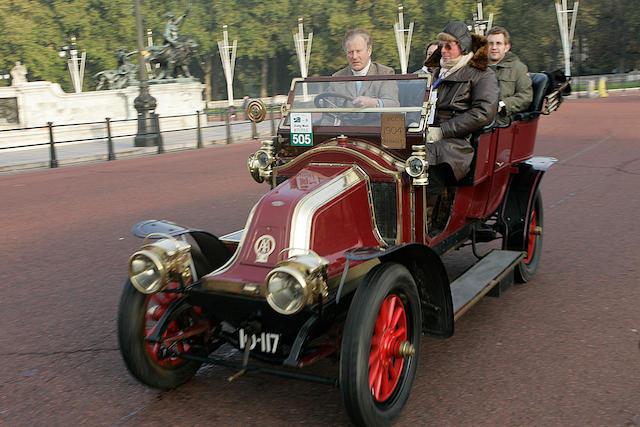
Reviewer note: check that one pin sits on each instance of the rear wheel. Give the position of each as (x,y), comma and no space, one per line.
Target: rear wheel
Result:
(380,346)
(529,265)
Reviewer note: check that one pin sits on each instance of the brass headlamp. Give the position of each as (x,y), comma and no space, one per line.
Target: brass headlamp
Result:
(260,163)
(157,264)
(297,282)
(417,165)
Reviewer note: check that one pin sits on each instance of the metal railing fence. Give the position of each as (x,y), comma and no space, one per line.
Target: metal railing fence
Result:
(226,118)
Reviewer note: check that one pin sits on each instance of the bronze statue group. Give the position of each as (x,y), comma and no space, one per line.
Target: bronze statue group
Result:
(167,61)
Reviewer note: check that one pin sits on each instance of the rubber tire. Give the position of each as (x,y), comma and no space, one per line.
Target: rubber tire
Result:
(131,317)
(380,282)
(526,270)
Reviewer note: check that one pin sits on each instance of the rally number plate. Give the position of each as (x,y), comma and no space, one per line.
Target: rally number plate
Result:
(267,342)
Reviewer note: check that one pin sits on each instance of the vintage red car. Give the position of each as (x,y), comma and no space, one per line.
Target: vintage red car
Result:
(339,258)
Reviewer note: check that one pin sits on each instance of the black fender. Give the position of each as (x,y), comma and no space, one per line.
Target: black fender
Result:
(431,278)
(214,251)
(519,197)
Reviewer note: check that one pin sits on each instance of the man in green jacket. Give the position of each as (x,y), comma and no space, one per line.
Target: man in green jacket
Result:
(515,84)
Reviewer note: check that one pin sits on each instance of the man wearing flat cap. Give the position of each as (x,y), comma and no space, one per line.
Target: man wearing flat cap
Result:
(467,92)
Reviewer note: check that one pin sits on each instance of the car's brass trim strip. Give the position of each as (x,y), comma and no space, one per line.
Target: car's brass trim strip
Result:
(399,202)
(332,146)
(412,212)
(234,287)
(259,290)
(377,151)
(425,219)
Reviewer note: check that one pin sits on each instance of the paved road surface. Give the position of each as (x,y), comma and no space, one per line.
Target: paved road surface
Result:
(560,350)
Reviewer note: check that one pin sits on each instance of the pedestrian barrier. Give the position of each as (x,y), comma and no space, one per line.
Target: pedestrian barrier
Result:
(109,131)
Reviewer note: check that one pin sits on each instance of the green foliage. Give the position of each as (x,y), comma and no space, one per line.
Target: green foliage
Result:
(535,36)
(32,31)
(29,34)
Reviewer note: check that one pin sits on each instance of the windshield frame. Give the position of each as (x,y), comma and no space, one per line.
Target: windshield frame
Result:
(422,110)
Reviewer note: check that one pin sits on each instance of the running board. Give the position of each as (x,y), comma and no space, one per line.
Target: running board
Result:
(495,268)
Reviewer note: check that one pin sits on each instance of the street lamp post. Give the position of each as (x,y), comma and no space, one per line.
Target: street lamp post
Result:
(75,64)
(480,25)
(566,30)
(303,50)
(145,104)
(403,47)
(228,57)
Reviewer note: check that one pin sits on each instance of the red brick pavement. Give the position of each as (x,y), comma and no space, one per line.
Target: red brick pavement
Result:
(560,350)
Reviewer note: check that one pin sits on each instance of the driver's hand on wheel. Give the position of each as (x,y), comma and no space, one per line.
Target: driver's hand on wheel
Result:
(365,101)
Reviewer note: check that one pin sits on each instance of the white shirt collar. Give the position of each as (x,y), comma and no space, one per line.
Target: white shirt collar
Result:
(362,72)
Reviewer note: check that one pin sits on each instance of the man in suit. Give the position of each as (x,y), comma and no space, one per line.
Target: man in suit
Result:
(357,47)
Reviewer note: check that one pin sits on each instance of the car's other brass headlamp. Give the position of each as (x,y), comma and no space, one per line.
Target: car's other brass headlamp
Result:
(297,282)
(254,168)
(417,165)
(157,264)
(260,163)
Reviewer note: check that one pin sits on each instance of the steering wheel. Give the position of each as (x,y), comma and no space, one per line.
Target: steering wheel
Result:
(323,101)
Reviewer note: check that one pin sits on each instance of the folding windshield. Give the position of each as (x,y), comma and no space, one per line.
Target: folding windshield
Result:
(349,101)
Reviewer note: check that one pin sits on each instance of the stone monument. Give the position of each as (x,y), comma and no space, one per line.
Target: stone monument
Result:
(18,74)
(179,96)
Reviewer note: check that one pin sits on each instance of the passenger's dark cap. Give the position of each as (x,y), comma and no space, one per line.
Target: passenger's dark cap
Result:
(457,31)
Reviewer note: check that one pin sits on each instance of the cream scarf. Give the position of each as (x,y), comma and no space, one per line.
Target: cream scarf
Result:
(451,66)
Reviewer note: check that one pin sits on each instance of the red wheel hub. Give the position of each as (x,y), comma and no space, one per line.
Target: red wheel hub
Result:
(385,361)
(156,306)
(532,237)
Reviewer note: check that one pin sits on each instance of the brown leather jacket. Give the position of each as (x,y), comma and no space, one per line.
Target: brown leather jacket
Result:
(467,101)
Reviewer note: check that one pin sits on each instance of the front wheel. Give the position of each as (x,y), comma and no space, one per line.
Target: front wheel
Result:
(138,316)
(380,346)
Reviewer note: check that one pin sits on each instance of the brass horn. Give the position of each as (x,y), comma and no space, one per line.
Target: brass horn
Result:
(256,110)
